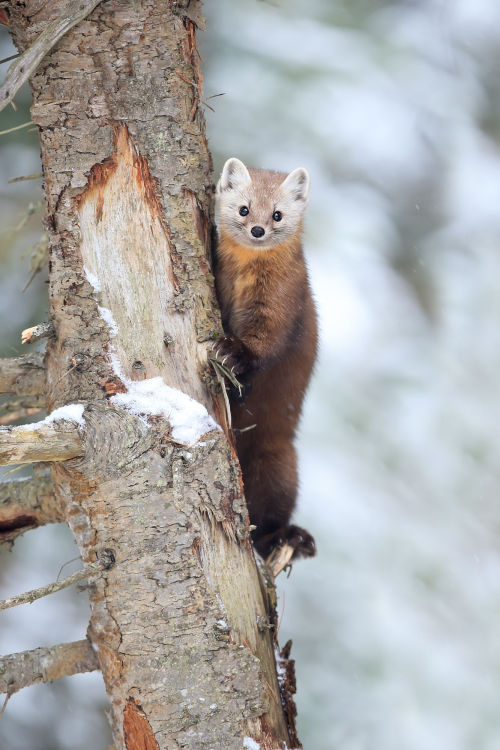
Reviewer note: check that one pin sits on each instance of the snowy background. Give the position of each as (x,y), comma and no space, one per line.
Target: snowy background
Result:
(394,108)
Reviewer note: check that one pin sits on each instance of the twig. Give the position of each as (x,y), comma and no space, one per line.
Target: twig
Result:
(28,62)
(10,57)
(279,558)
(88,570)
(33,176)
(222,384)
(18,127)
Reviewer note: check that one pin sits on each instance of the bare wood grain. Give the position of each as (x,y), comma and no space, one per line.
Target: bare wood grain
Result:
(40,441)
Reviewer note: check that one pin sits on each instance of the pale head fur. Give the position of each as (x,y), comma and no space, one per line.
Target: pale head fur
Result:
(263,192)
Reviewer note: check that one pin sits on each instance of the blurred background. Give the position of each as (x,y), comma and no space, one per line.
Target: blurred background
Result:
(394,108)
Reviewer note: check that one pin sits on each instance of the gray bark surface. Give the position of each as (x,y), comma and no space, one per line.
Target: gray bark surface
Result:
(180,622)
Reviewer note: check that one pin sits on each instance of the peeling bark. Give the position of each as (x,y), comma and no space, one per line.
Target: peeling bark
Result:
(180,620)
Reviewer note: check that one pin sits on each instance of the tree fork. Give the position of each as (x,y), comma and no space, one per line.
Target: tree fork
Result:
(128,188)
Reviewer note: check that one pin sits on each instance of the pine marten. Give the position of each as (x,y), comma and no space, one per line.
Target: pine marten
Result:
(270,339)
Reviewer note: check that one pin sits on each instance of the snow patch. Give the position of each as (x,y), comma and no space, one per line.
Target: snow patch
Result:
(70,412)
(92,279)
(188,418)
(107,316)
(250,744)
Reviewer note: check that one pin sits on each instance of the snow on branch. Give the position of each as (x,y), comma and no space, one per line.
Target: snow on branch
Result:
(56,438)
(26,504)
(25,65)
(45,664)
(24,376)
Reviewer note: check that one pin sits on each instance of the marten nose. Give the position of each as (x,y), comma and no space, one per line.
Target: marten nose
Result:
(258,231)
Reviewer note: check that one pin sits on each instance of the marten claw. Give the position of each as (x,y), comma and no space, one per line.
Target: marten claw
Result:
(231,350)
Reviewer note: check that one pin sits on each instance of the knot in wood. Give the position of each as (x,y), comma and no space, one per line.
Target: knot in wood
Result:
(113,439)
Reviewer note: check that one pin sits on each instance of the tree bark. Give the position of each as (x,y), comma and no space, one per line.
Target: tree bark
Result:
(180,621)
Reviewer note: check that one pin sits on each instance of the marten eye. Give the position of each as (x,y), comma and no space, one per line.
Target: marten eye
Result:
(277,216)
(244,211)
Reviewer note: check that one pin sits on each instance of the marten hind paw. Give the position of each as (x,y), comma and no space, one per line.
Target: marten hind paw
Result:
(294,537)
(302,542)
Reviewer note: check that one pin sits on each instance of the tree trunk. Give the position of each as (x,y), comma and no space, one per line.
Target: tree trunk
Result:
(180,621)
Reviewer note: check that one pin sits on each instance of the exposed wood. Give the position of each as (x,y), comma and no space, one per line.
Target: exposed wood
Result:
(25,65)
(26,504)
(26,668)
(40,331)
(23,376)
(279,559)
(41,441)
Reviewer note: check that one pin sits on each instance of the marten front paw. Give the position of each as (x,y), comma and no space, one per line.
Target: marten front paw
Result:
(232,354)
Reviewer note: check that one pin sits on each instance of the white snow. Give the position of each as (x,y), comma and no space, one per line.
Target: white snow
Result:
(70,412)
(250,744)
(188,418)
(92,279)
(107,316)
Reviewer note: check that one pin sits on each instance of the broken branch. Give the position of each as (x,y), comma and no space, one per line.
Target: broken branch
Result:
(40,331)
(24,376)
(41,441)
(46,664)
(26,504)
(88,570)
(28,62)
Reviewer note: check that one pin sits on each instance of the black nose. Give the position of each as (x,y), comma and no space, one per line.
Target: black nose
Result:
(258,231)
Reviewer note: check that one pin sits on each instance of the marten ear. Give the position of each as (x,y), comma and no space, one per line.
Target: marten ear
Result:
(297,183)
(234,176)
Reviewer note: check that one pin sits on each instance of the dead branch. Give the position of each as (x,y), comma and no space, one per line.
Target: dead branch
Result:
(40,331)
(25,65)
(45,664)
(24,376)
(88,570)
(26,504)
(41,441)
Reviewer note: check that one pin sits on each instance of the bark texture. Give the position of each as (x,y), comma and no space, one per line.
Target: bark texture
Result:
(180,620)
(23,376)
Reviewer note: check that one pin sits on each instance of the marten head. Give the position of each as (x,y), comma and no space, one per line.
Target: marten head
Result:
(261,209)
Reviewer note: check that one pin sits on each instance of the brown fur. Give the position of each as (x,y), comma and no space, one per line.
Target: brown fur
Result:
(268,311)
